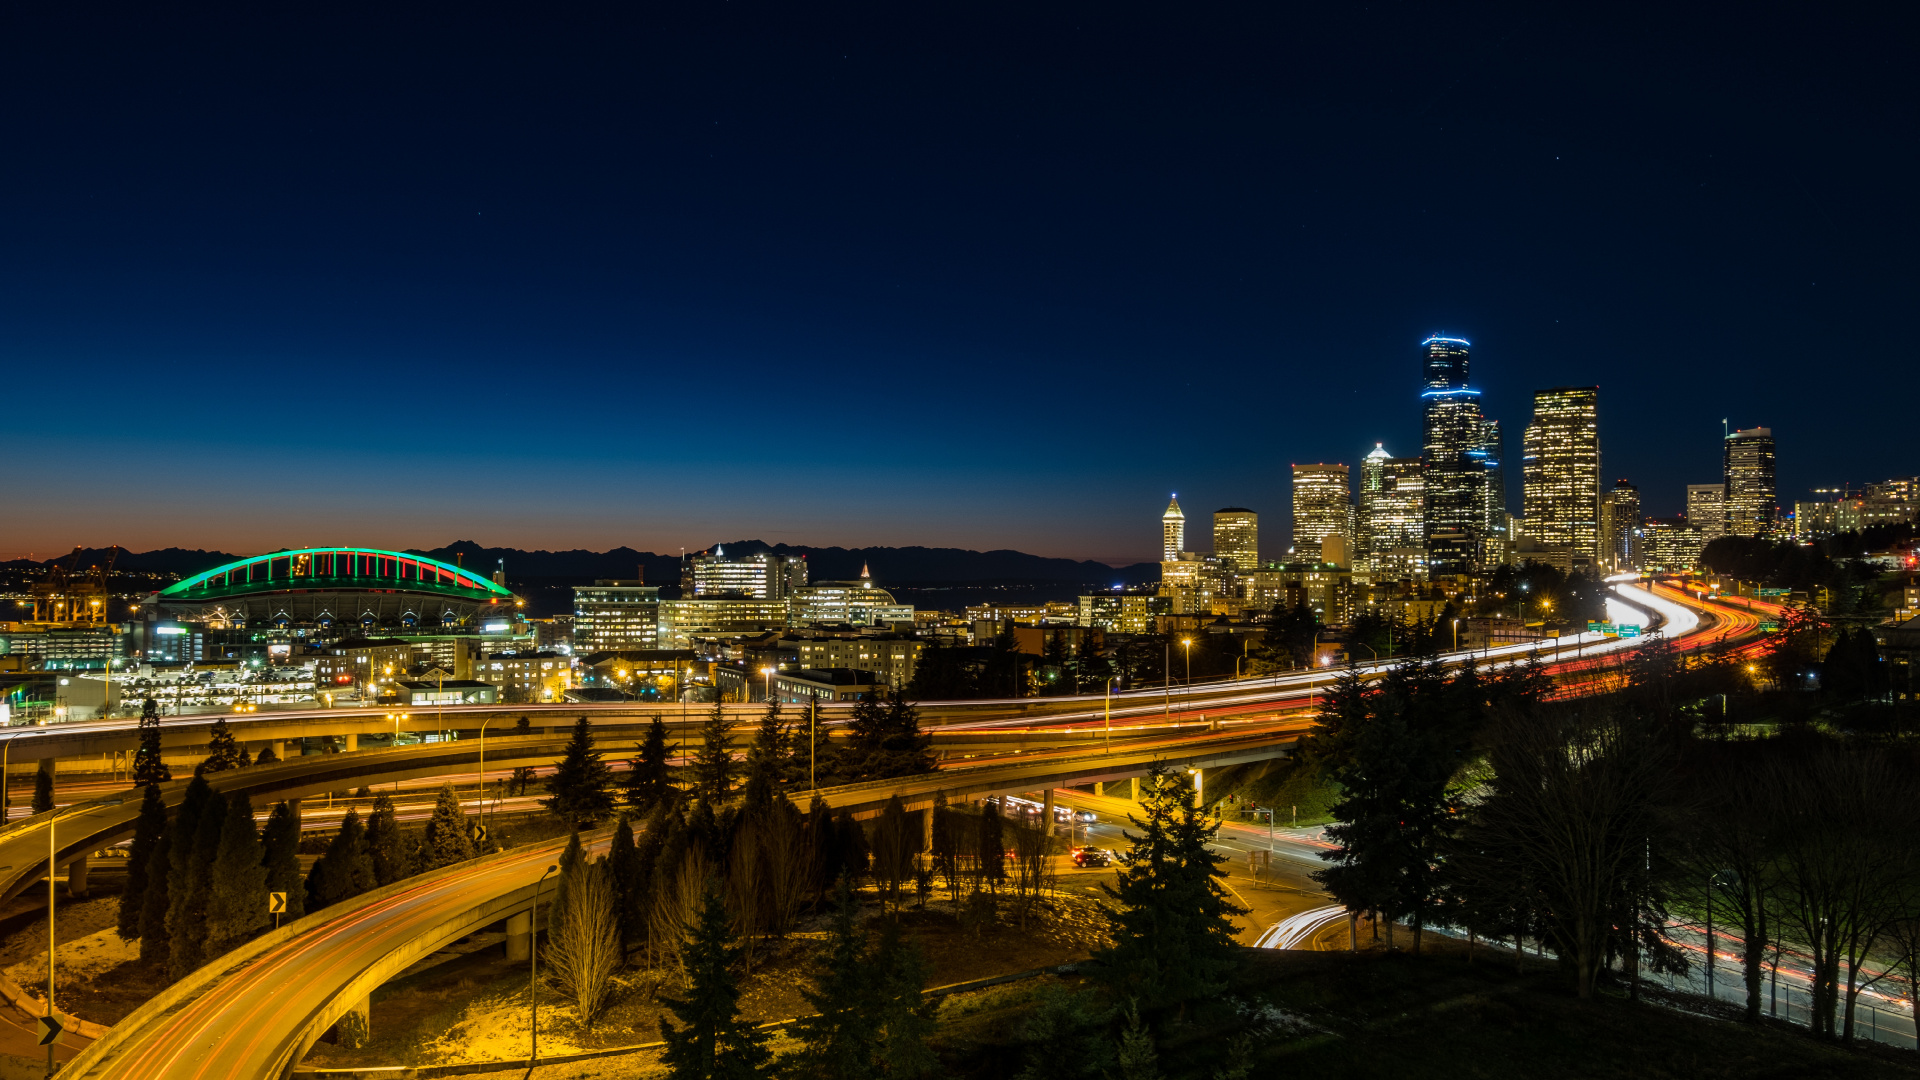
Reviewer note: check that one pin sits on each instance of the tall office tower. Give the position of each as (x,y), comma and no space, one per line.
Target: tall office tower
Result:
(1620,527)
(1390,517)
(1494,494)
(1455,462)
(1561,460)
(615,614)
(1750,496)
(1173,531)
(1707,509)
(1236,538)
(765,576)
(1322,507)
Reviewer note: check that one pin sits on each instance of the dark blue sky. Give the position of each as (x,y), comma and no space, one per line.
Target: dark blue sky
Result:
(982,275)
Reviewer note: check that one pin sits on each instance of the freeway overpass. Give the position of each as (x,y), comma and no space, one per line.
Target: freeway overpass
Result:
(263,1020)
(93,745)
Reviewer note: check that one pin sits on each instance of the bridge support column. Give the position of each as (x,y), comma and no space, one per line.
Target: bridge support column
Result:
(362,1012)
(926,830)
(1135,793)
(353,743)
(1099,787)
(1046,810)
(77,878)
(279,749)
(520,936)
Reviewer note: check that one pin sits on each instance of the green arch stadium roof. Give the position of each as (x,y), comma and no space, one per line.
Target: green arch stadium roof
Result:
(335,570)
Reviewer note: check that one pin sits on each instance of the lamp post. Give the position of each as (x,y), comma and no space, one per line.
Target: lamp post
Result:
(1110,679)
(52,820)
(1187,644)
(1166,681)
(480,777)
(533,956)
(813,716)
(768,672)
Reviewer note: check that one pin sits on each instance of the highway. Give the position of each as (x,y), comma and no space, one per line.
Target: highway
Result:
(243,1021)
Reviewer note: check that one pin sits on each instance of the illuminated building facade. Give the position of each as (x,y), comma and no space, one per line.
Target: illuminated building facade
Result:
(1322,506)
(1750,490)
(1707,509)
(1456,455)
(1671,545)
(1561,465)
(614,613)
(765,576)
(1173,531)
(680,620)
(852,603)
(1236,538)
(1620,539)
(1123,613)
(1391,516)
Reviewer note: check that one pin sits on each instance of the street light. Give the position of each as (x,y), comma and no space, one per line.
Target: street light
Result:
(768,672)
(1110,679)
(1187,644)
(480,777)
(533,955)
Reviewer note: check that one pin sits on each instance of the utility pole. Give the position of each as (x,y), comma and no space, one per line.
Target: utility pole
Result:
(52,820)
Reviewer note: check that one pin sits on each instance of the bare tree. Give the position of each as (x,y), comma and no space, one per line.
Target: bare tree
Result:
(746,882)
(893,850)
(1570,809)
(1730,851)
(585,947)
(676,906)
(786,860)
(1032,866)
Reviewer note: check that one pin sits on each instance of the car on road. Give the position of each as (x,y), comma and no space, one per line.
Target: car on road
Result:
(1091,857)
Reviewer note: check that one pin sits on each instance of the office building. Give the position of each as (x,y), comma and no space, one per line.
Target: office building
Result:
(1123,613)
(1620,527)
(1173,531)
(1193,583)
(1390,518)
(1671,545)
(723,616)
(615,614)
(1456,459)
(1561,476)
(890,656)
(1236,538)
(848,603)
(765,576)
(1707,509)
(1322,507)
(1493,494)
(1814,520)
(1750,491)
(1327,590)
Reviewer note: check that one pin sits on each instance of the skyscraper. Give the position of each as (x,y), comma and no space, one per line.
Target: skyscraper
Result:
(1456,458)
(1236,538)
(1390,521)
(1561,464)
(1707,509)
(1173,531)
(1620,527)
(1750,494)
(1322,507)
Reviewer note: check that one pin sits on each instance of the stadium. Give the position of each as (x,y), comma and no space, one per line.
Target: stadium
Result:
(331,591)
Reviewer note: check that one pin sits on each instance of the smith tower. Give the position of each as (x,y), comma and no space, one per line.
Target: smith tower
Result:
(1457,458)
(1173,531)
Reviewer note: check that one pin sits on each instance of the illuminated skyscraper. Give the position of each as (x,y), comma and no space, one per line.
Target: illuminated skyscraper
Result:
(1561,464)
(1236,538)
(1620,539)
(1750,494)
(1707,509)
(1322,507)
(1390,521)
(1173,531)
(1456,460)
(764,576)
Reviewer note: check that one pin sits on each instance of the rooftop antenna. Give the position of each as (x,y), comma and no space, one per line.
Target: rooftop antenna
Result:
(1725,433)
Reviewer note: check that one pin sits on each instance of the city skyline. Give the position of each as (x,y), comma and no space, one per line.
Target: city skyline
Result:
(468,249)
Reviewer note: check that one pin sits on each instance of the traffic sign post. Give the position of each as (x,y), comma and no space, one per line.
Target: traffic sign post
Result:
(276,906)
(50,1029)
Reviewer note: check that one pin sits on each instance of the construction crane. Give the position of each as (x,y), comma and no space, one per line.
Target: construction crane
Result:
(68,597)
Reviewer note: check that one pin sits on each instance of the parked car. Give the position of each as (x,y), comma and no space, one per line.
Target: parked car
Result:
(1091,857)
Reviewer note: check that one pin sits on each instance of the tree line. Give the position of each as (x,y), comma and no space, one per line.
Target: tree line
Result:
(1607,827)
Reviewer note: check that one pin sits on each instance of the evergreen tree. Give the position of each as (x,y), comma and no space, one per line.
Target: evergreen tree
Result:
(1173,930)
(885,740)
(267,756)
(855,855)
(905,1014)
(1053,665)
(192,887)
(945,844)
(280,842)
(148,769)
(577,789)
(146,834)
(237,886)
(837,1041)
(1090,669)
(224,751)
(523,775)
(767,756)
(570,859)
(711,1042)
(713,766)
(154,944)
(990,847)
(1005,672)
(649,783)
(945,673)
(447,840)
(823,848)
(624,873)
(346,870)
(386,846)
(42,791)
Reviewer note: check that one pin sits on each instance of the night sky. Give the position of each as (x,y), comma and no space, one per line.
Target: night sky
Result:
(976,276)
